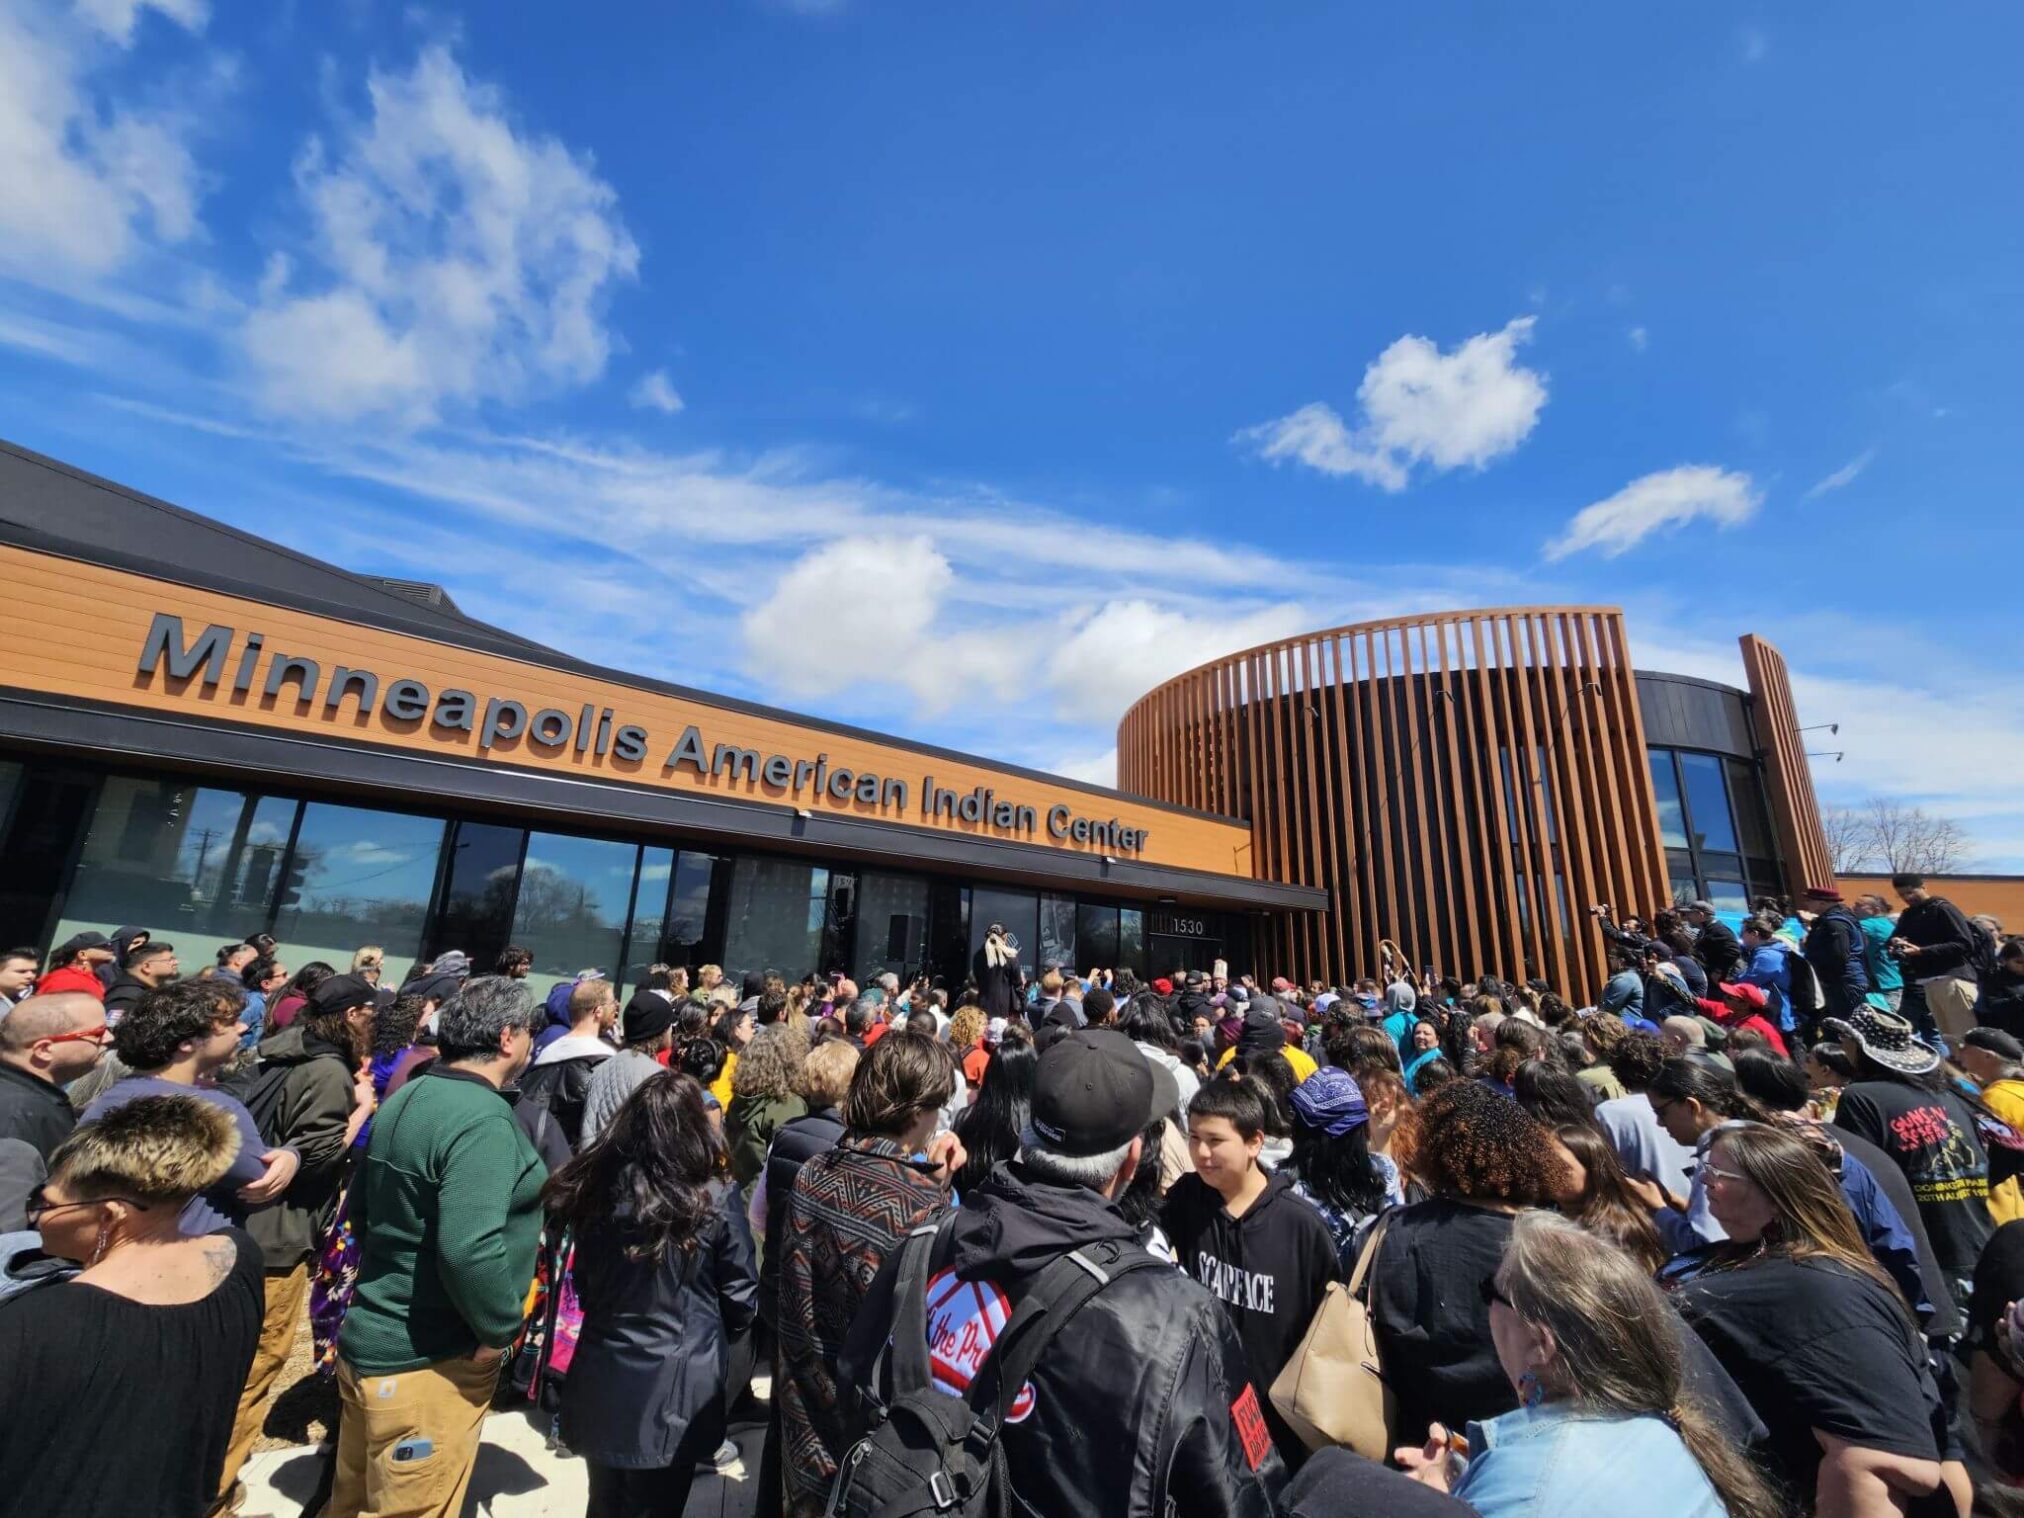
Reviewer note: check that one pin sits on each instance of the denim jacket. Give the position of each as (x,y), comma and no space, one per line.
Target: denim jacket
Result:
(1559,1461)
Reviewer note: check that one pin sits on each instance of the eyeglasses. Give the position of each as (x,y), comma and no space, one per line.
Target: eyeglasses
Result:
(1720,1174)
(1491,1293)
(39,1205)
(94,1035)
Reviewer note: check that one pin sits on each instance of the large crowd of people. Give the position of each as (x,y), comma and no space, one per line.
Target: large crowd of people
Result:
(1742,1235)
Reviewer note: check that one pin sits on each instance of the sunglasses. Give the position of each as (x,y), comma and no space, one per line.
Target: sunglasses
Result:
(82,1035)
(1490,1292)
(40,1206)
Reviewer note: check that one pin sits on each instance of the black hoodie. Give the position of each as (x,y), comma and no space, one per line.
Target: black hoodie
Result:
(1141,1407)
(1270,1268)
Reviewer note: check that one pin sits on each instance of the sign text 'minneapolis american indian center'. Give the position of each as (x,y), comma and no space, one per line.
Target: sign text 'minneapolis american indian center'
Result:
(404,704)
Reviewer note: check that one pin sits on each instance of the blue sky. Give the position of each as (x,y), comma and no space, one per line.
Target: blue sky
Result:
(967,370)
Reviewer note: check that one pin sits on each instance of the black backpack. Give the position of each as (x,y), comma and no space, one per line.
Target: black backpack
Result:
(929,1452)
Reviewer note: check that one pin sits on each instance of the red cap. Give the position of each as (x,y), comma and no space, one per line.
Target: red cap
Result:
(1822,893)
(1281,983)
(1164,986)
(1753,996)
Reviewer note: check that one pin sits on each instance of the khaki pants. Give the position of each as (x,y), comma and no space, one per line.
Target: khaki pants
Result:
(287,1296)
(1951,999)
(406,1443)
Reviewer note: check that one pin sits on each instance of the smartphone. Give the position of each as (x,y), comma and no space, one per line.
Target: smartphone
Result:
(410,1450)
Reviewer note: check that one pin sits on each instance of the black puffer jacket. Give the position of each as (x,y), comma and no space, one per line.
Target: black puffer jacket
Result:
(652,1355)
(1136,1406)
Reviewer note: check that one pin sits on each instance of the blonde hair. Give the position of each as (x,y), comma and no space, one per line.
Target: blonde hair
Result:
(157,1149)
(1619,1347)
(824,1077)
(371,957)
(965,1028)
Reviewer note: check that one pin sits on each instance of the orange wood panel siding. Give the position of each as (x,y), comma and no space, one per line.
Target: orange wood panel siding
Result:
(1997,896)
(74,630)
(1788,778)
(1464,784)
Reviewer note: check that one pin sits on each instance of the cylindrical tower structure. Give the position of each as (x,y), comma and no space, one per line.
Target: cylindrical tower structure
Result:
(1465,784)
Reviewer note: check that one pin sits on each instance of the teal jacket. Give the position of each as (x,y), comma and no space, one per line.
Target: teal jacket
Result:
(447,1209)
(1884,974)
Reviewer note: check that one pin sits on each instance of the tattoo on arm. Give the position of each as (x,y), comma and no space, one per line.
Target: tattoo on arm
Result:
(220,1255)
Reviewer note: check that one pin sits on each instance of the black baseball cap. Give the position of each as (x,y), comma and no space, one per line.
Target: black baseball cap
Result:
(340,993)
(77,943)
(1995,1041)
(1093,1092)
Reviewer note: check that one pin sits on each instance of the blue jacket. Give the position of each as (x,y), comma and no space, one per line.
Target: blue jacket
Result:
(1625,994)
(1562,1460)
(1768,969)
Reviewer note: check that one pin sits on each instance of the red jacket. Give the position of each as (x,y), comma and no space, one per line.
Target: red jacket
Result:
(71,978)
(1736,1021)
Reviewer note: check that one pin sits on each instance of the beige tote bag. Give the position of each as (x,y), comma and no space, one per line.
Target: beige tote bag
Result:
(1332,1391)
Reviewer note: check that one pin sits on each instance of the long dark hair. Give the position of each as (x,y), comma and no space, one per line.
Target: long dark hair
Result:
(647,1174)
(1337,1168)
(1606,1207)
(991,1125)
(1699,1078)
(1551,1094)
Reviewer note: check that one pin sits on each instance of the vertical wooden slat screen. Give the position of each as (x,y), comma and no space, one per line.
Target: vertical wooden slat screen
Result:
(1464,784)
(1788,778)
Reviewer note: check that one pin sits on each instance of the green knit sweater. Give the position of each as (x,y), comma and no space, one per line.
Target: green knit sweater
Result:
(447,1210)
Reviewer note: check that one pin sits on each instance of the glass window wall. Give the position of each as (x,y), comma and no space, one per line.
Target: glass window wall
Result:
(358,877)
(1057,934)
(1666,785)
(1019,911)
(571,910)
(475,911)
(892,925)
(775,917)
(1131,941)
(1707,803)
(189,863)
(1096,936)
(649,916)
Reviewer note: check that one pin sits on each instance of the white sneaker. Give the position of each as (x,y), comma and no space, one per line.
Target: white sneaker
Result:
(726,1459)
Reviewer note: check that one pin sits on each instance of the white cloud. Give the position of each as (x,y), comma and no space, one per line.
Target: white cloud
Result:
(1754,44)
(874,611)
(457,258)
(1122,651)
(654,392)
(85,183)
(1845,475)
(1418,406)
(1667,499)
(1639,338)
(1100,769)
(117,18)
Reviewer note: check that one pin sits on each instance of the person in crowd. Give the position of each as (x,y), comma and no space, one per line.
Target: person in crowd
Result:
(1331,1167)
(665,1278)
(1551,1093)
(1746,1008)
(17,977)
(310,1095)
(174,1040)
(1715,942)
(46,1042)
(561,1075)
(1401,1014)
(2001,1004)
(1693,1097)
(1422,1048)
(646,1029)
(74,965)
(514,962)
(1901,1103)
(1606,1205)
(1145,1022)
(448,1212)
(264,980)
(117,1385)
(847,1212)
(1814,1332)
(1600,1033)
(992,1127)
(285,1008)
(1766,965)
(1481,1159)
(1886,976)
(1001,983)
(763,1099)
(1606,1422)
(733,1031)
(1994,1060)
(1623,994)
(1680,1034)
(1264,1032)
(153,964)
(1838,951)
(1239,1229)
(967,1028)
(1643,1146)
(1942,956)
(1142,1404)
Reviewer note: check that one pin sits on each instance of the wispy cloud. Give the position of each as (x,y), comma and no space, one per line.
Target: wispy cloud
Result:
(1845,475)
(654,392)
(1639,338)
(1417,406)
(1754,44)
(1655,502)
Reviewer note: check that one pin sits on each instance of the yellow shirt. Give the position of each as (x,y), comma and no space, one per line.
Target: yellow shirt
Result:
(2006,1100)
(720,1088)
(1301,1061)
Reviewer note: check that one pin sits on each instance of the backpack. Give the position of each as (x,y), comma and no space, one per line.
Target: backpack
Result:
(929,1452)
(1803,998)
